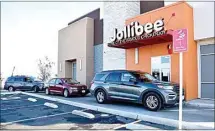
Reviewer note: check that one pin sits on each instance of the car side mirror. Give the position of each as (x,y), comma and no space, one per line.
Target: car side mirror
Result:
(30,81)
(133,80)
(60,83)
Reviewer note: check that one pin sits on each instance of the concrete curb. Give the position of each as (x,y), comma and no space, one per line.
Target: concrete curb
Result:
(84,114)
(32,99)
(52,105)
(152,119)
(201,105)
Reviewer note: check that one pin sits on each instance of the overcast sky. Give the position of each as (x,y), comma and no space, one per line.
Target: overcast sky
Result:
(29,31)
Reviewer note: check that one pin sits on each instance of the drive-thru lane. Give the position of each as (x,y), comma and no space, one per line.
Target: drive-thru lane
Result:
(19,111)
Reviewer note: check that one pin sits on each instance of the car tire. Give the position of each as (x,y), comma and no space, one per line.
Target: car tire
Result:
(152,101)
(66,93)
(101,96)
(11,89)
(35,89)
(47,91)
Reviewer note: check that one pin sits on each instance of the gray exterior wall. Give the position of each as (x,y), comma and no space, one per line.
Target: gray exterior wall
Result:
(98,25)
(75,43)
(206,68)
(98,58)
(146,6)
(115,14)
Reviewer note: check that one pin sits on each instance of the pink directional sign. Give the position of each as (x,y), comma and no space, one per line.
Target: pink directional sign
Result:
(180,40)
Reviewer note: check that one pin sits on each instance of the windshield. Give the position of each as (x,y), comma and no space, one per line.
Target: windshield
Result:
(70,81)
(145,77)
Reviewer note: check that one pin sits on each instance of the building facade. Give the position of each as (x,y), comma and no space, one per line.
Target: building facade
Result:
(154,54)
(80,48)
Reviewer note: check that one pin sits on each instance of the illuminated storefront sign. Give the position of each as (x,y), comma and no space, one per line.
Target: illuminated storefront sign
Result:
(135,31)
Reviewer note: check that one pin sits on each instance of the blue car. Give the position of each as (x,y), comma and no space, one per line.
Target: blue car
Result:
(23,83)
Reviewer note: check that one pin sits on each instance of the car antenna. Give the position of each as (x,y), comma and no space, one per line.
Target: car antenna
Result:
(13,71)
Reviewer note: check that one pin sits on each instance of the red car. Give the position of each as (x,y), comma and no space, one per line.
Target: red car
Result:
(66,87)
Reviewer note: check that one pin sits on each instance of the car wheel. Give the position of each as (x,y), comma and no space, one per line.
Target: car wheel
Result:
(152,101)
(47,91)
(10,89)
(101,96)
(66,93)
(36,89)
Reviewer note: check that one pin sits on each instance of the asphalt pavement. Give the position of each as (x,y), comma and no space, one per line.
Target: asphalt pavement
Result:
(20,111)
(190,113)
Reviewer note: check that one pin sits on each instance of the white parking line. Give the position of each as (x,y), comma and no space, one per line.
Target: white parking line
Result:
(11,98)
(21,107)
(8,93)
(126,125)
(35,118)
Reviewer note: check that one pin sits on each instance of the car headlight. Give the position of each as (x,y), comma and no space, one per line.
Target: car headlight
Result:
(165,87)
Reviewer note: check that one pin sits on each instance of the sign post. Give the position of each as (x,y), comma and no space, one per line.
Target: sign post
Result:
(180,46)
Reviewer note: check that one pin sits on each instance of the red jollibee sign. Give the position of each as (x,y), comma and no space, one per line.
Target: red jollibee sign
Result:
(180,43)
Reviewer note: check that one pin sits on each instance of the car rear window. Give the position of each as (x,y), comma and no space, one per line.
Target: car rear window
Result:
(98,77)
(10,79)
(18,79)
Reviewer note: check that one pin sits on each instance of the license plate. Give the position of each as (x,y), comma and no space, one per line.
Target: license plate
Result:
(83,91)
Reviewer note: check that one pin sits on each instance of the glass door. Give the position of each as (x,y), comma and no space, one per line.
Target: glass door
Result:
(160,67)
(74,70)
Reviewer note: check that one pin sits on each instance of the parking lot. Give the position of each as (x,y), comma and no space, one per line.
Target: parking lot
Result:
(20,111)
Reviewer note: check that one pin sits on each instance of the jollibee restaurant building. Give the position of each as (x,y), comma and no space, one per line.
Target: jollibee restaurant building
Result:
(139,36)
(150,48)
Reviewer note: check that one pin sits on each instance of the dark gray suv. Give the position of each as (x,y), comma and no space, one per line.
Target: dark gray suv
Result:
(134,86)
(23,83)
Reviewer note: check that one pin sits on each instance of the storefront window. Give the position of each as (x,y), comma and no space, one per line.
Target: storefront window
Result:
(161,67)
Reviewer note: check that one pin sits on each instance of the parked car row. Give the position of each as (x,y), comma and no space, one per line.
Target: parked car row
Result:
(131,86)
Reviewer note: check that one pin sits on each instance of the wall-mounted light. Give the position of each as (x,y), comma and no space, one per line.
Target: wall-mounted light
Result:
(60,67)
(80,61)
(136,55)
(169,48)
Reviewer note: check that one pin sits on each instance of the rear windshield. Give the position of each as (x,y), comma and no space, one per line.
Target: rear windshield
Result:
(98,77)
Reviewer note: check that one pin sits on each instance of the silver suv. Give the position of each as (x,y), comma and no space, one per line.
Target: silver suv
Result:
(134,86)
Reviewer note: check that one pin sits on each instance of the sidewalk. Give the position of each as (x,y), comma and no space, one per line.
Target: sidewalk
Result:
(202,103)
